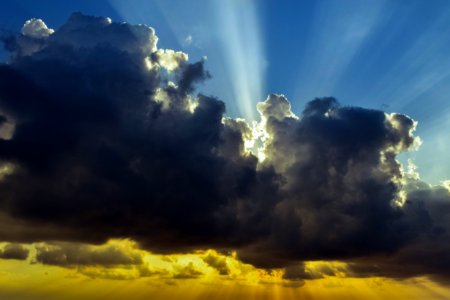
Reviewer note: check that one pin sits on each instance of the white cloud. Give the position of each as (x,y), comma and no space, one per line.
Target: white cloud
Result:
(36,28)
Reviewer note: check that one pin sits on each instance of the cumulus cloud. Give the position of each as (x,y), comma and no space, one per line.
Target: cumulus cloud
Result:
(171,59)
(340,174)
(93,148)
(36,28)
(108,139)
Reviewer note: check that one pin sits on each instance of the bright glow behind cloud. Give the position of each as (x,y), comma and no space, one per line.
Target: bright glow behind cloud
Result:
(232,33)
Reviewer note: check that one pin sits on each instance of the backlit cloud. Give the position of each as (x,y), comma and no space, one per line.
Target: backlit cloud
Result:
(108,139)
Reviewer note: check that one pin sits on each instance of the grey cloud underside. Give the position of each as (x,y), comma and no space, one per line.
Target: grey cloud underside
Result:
(73,254)
(95,156)
(14,251)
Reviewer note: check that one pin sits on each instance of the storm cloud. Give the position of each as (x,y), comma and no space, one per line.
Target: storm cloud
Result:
(103,136)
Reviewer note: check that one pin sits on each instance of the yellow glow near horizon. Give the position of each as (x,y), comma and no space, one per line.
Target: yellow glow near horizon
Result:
(194,276)
(21,280)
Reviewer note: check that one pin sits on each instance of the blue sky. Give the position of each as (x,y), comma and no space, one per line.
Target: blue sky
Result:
(390,55)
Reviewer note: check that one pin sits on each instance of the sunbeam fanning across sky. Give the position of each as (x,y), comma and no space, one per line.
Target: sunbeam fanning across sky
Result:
(240,39)
(212,149)
(337,32)
(229,29)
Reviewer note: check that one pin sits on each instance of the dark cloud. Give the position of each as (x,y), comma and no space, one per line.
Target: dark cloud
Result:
(97,155)
(106,138)
(298,272)
(428,208)
(73,254)
(14,251)
(217,262)
(341,180)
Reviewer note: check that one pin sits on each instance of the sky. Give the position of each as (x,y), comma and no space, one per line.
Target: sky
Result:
(234,149)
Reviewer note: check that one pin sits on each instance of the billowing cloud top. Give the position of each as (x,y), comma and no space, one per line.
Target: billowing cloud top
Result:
(104,137)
